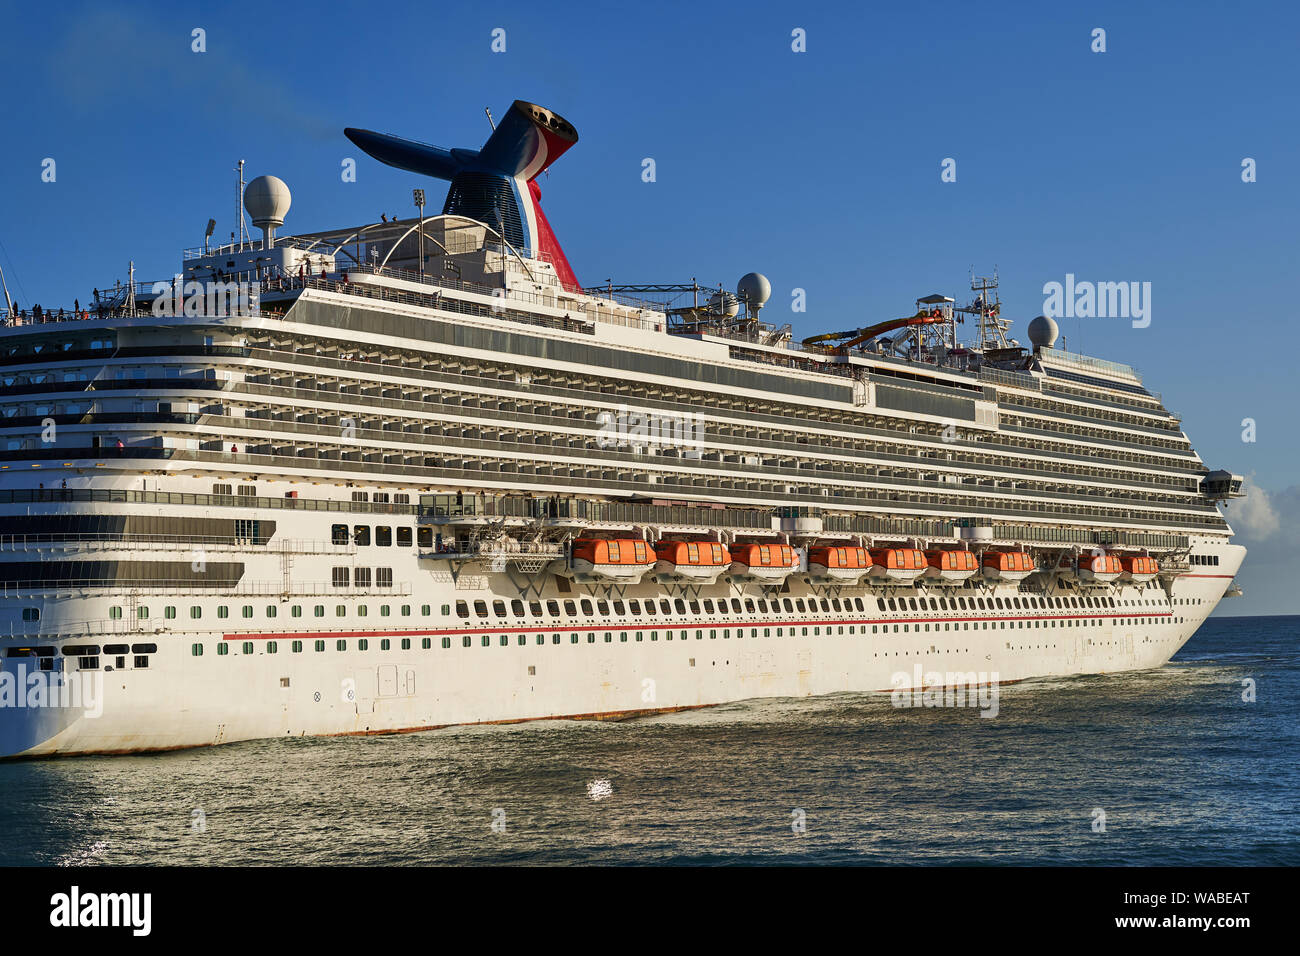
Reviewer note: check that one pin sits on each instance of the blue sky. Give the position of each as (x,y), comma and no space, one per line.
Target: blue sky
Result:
(820,169)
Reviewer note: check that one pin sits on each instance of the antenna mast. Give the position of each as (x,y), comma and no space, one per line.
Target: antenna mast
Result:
(992,327)
(9,303)
(239,205)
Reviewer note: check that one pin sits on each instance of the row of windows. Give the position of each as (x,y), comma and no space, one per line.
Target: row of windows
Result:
(789,605)
(680,606)
(250,491)
(1211,560)
(296,647)
(271,610)
(361,577)
(521,640)
(384,535)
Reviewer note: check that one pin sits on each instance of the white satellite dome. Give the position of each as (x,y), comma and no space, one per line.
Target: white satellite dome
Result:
(724,303)
(754,289)
(1043,332)
(267,200)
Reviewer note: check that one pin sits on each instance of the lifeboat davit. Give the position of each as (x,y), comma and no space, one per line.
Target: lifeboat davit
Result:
(1099,568)
(956,564)
(897,565)
(764,562)
(699,561)
(1008,565)
(614,559)
(844,563)
(1139,568)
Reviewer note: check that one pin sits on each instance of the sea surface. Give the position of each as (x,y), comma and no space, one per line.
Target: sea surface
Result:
(1176,765)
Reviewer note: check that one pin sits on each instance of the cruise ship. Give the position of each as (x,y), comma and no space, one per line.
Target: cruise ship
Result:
(412,474)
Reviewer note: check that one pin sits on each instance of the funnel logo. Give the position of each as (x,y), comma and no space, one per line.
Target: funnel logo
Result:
(495,185)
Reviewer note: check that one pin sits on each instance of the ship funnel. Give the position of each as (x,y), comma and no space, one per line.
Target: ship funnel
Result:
(495,185)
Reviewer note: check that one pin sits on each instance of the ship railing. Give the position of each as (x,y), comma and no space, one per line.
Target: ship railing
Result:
(525,555)
(77,541)
(1004,377)
(198,586)
(59,629)
(113,306)
(1091,363)
(897,495)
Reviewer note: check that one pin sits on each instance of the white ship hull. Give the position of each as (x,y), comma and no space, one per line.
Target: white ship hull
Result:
(181,700)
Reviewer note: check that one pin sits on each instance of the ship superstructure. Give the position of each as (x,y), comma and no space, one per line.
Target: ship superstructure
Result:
(418,476)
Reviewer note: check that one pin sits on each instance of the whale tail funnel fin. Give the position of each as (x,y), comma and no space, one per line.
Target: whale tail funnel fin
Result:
(407,153)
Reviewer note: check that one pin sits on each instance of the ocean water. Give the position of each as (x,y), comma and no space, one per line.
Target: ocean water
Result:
(1184,770)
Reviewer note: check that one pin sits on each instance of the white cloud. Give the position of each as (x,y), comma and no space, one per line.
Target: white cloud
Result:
(1268,574)
(1255,517)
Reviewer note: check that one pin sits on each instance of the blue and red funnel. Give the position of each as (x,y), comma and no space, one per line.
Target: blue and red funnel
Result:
(497,184)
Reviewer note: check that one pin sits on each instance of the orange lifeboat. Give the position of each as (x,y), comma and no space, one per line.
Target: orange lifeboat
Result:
(1139,568)
(1099,568)
(700,561)
(764,562)
(956,564)
(1008,565)
(845,563)
(614,559)
(897,565)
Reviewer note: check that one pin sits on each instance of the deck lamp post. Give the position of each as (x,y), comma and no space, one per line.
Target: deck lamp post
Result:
(418,196)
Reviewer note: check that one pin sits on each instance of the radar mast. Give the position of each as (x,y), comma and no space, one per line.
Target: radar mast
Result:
(991,327)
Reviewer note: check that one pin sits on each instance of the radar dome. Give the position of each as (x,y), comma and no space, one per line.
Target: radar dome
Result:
(724,303)
(267,200)
(754,289)
(1043,332)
